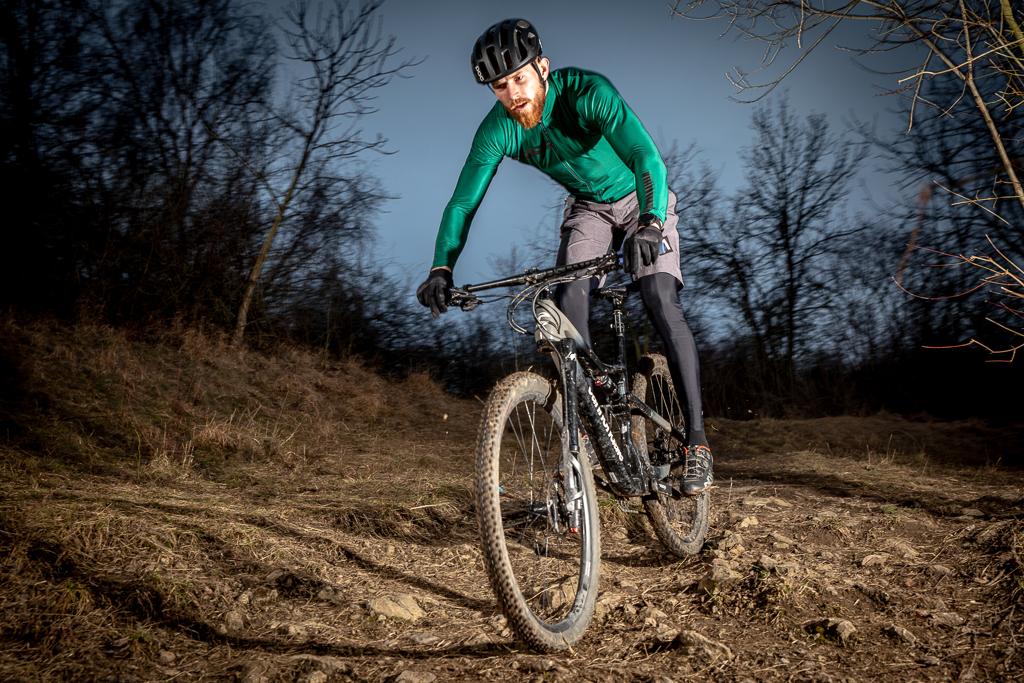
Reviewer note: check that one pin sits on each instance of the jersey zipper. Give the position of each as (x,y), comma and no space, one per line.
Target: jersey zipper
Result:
(547,135)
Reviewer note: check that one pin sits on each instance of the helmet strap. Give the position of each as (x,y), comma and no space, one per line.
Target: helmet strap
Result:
(536,67)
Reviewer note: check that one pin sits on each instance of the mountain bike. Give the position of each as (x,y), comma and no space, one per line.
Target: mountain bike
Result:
(546,444)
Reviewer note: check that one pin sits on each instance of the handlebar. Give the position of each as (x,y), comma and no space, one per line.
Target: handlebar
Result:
(464,298)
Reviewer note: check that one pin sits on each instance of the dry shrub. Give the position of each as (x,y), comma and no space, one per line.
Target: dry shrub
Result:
(199,345)
(360,393)
(244,434)
(1004,541)
(172,462)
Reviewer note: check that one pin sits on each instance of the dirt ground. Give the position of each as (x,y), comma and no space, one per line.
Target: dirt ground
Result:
(238,547)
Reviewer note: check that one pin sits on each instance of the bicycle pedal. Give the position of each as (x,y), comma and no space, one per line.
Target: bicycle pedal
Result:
(574,530)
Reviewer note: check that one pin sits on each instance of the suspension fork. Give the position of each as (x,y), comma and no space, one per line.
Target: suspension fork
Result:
(570,371)
(570,406)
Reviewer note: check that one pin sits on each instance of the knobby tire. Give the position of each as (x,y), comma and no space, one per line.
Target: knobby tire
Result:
(680,523)
(545,577)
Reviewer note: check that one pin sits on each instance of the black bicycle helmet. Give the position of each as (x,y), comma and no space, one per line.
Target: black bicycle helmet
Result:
(503,48)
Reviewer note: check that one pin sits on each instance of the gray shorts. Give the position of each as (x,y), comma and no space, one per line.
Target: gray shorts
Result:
(590,229)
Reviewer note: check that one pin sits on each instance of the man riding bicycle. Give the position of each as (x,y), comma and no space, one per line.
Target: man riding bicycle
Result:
(575,127)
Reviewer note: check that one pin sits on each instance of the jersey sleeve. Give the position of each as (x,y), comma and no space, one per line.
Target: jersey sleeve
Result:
(602,107)
(486,153)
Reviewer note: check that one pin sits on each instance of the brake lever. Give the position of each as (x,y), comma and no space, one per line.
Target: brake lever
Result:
(464,300)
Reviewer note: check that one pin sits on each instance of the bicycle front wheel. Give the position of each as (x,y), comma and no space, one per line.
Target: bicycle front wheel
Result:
(541,550)
(680,522)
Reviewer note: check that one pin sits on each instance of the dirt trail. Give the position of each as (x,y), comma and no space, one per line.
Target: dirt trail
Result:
(357,558)
(283,579)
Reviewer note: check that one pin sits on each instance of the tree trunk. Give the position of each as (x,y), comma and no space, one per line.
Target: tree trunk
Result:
(254,276)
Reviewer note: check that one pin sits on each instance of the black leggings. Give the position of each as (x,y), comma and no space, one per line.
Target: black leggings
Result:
(660,294)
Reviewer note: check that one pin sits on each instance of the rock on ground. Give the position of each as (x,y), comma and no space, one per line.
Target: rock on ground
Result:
(722,573)
(899,633)
(874,560)
(692,643)
(839,630)
(234,621)
(950,619)
(397,606)
(410,676)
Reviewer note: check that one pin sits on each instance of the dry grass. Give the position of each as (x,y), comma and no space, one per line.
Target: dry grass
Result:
(180,510)
(191,402)
(881,438)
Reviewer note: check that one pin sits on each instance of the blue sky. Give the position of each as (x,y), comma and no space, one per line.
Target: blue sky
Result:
(671,71)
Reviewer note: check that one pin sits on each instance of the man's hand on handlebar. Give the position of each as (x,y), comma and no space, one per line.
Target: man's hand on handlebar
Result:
(436,291)
(641,248)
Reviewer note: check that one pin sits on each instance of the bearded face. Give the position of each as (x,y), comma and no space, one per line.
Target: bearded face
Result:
(528,112)
(523,93)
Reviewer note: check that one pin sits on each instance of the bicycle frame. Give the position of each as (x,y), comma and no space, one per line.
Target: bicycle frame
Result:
(628,470)
(546,443)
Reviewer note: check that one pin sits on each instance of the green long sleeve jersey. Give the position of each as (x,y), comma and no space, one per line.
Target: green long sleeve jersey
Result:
(589,141)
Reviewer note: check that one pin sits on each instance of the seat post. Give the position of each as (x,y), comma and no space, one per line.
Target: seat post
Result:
(617,296)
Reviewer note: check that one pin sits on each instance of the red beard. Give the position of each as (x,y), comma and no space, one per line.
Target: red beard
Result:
(529,115)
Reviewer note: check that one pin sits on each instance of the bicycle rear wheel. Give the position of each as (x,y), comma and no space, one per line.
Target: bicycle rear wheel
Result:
(680,522)
(542,559)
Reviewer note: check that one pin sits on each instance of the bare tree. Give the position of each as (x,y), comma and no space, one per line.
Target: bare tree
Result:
(148,153)
(175,80)
(962,38)
(343,58)
(42,116)
(769,258)
(975,47)
(951,245)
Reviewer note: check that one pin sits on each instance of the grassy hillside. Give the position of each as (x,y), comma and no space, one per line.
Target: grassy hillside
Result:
(173,508)
(88,397)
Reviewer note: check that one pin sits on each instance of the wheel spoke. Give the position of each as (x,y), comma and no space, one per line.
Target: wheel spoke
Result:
(679,521)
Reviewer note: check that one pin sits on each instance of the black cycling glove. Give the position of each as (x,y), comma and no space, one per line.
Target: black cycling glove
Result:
(641,248)
(436,291)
